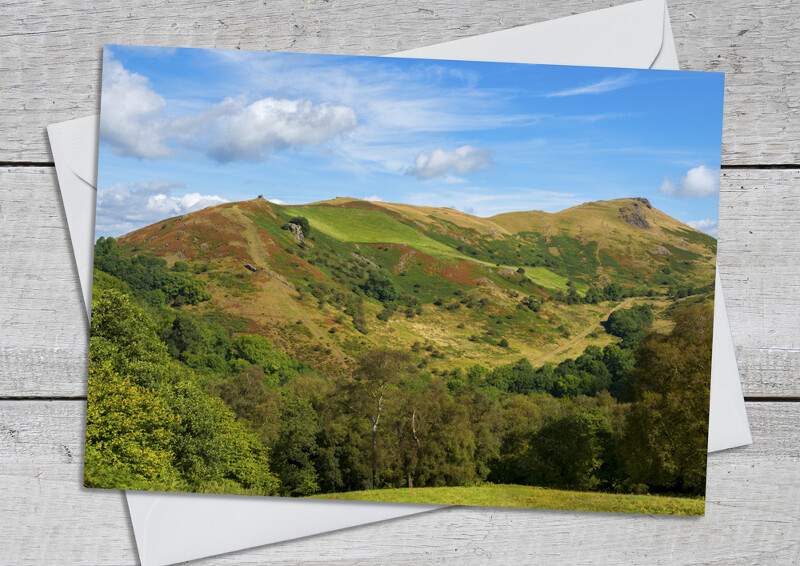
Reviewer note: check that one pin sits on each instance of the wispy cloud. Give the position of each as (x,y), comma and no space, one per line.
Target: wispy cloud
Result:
(606,85)
(707,225)
(462,160)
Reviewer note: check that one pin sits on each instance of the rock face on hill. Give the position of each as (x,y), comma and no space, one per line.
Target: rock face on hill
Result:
(634,214)
(297,231)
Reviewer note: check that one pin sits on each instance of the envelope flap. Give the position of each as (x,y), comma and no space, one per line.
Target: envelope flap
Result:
(623,36)
(77,144)
(176,527)
(74,147)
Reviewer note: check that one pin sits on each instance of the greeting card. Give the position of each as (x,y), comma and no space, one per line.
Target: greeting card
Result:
(403,280)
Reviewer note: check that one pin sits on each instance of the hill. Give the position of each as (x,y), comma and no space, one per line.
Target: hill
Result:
(462,288)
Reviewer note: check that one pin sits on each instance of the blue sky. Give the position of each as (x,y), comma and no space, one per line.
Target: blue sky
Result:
(182,129)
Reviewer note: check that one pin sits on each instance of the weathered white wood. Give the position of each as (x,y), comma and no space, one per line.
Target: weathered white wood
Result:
(45,514)
(50,51)
(752,511)
(44,339)
(759,262)
(43,328)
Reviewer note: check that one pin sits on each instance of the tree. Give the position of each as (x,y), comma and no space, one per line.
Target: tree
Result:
(618,361)
(148,277)
(666,443)
(256,349)
(378,374)
(590,364)
(212,449)
(613,291)
(446,446)
(252,403)
(212,452)
(592,296)
(294,452)
(128,432)
(522,416)
(485,422)
(630,324)
(568,452)
(380,287)
(185,336)
(126,338)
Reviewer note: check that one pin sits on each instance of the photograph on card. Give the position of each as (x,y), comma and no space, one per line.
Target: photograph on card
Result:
(404,280)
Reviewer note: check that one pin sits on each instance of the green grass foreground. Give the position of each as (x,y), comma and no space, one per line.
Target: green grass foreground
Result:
(524,496)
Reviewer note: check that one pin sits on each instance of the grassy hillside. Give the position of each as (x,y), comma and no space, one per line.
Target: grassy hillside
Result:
(464,289)
(526,349)
(531,497)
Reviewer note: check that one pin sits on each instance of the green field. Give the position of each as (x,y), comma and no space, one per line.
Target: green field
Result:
(549,280)
(375,227)
(368,227)
(490,495)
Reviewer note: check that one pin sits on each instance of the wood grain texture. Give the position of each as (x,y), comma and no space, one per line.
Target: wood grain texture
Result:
(45,341)
(750,515)
(50,51)
(759,263)
(44,345)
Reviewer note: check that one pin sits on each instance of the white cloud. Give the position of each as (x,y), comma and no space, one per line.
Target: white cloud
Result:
(133,122)
(165,205)
(130,110)
(605,85)
(463,160)
(698,182)
(123,208)
(234,130)
(707,225)
(374,198)
(276,201)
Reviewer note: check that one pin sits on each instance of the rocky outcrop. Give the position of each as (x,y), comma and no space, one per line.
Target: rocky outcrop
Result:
(250,267)
(634,214)
(485,281)
(297,231)
(661,250)
(401,263)
(366,260)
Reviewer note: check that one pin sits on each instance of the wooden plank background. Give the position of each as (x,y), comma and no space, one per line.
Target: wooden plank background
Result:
(49,72)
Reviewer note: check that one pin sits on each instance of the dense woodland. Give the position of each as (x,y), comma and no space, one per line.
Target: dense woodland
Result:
(185,400)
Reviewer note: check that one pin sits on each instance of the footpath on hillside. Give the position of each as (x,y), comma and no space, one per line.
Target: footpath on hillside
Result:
(564,347)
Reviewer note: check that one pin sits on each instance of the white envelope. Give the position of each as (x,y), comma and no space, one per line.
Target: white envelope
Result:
(171,528)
